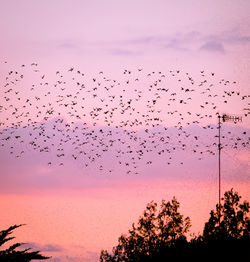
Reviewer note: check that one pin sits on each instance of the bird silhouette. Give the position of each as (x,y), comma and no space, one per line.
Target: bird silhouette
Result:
(93,116)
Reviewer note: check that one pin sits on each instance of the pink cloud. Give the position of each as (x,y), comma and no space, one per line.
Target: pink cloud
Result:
(213,47)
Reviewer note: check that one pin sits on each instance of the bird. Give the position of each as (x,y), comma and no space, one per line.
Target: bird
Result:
(120,105)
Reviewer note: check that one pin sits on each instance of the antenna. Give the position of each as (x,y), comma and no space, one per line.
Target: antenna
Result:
(224,118)
(235,119)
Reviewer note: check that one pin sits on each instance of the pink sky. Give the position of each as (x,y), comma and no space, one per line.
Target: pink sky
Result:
(73,212)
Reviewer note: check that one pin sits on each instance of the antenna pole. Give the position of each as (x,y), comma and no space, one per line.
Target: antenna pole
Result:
(219,148)
(224,118)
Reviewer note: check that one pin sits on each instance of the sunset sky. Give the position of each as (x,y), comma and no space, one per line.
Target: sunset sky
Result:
(61,59)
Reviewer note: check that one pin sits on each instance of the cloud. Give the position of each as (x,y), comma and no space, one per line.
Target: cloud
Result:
(176,44)
(213,46)
(44,247)
(233,37)
(18,175)
(94,257)
(51,248)
(86,256)
(180,41)
(123,52)
(56,259)
(67,45)
(152,43)
(219,42)
(239,40)
(188,41)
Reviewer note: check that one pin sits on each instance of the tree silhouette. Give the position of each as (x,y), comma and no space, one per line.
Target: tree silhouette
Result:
(154,233)
(230,221)
(11,254)
(161,236)
(226,235)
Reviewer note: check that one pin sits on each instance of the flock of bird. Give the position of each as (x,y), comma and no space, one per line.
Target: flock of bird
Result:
(124,121)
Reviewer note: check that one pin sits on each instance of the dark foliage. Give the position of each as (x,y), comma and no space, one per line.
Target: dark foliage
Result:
(154,232)
(12,254)
(227,231)
(162,236)
(230,221)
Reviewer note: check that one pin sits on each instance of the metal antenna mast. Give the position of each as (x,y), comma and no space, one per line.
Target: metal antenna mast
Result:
(224,118)
(219,149)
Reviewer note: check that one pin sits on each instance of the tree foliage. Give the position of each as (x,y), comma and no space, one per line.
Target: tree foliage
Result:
(11,253)
(230,221)
(161,235)
(154,231)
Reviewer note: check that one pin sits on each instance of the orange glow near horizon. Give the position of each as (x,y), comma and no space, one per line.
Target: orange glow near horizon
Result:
(94,219)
